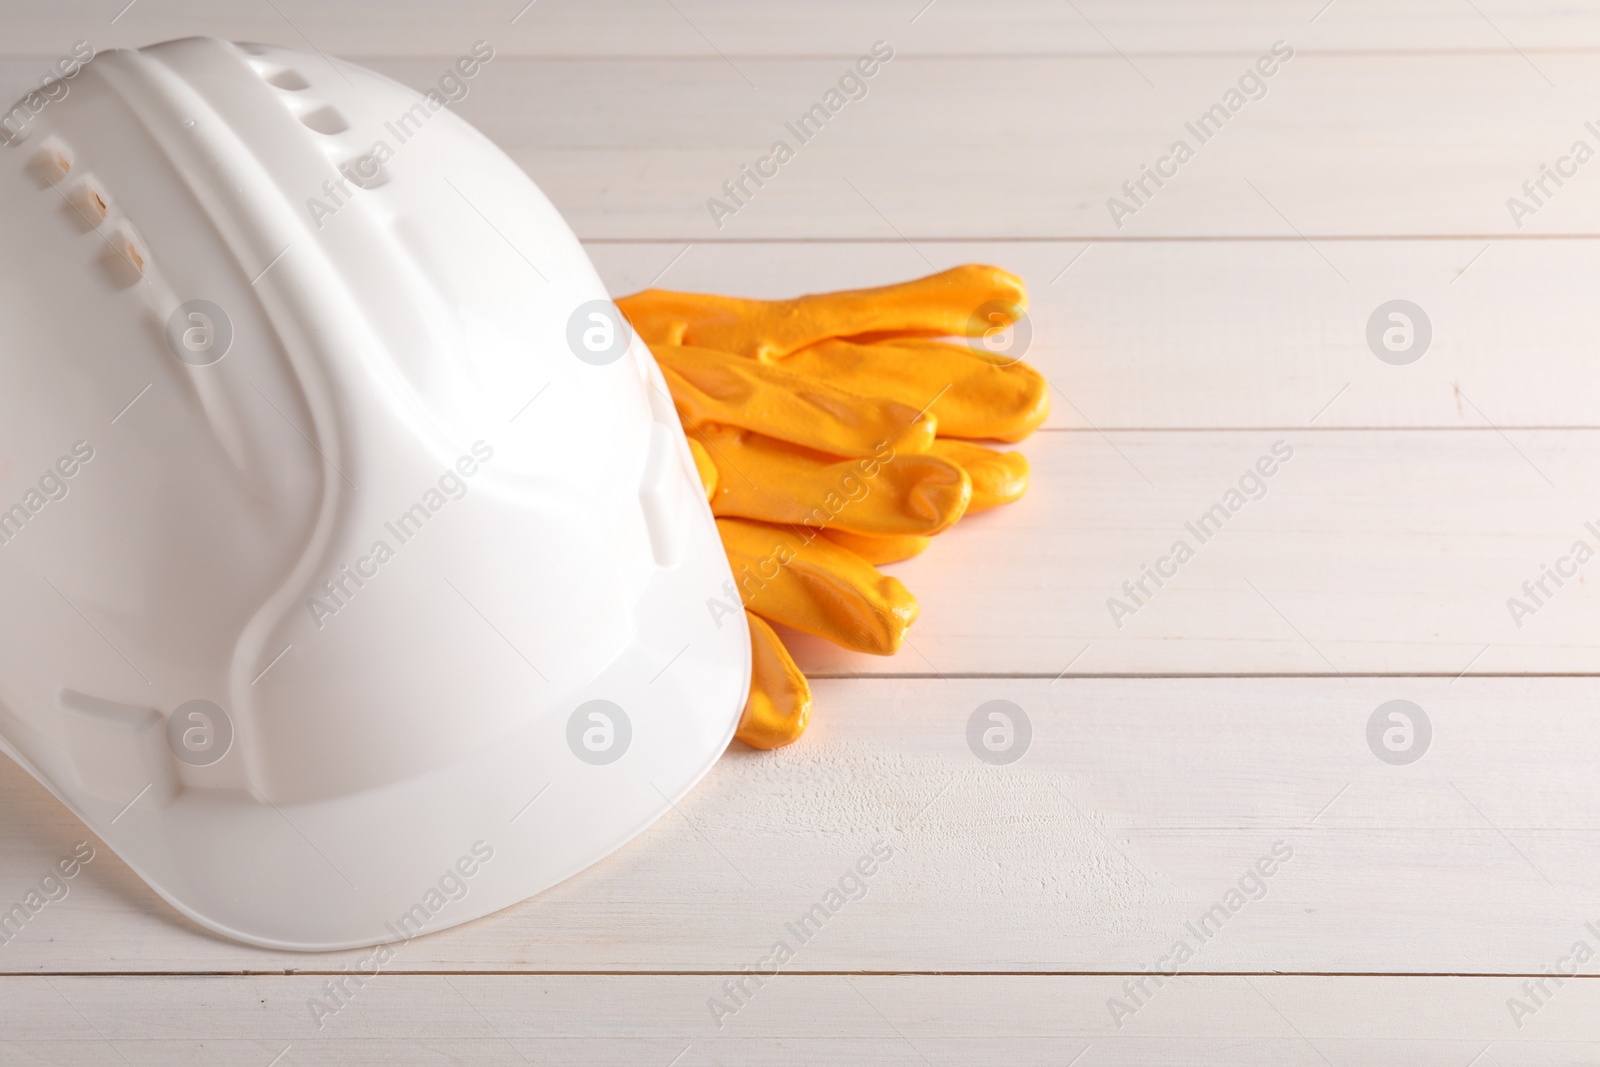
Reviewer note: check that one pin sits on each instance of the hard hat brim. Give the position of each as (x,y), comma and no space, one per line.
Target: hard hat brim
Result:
(459,842)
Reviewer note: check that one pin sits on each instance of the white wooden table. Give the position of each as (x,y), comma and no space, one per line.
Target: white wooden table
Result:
(1230,713)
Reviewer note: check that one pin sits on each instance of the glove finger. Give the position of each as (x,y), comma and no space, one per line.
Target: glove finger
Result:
(761,478)
(940,305)
(715,387)
(704,466)
(970,395)
(997,477)
(877,550)
(813,585)
(779,707)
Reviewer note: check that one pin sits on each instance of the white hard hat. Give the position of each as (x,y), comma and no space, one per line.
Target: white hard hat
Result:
(355,569)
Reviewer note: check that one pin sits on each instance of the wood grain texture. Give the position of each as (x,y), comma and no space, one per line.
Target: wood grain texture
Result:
(903,1020)
(1035,147)
(603,28)
(1234,335)
(1226,314)
(1388,552)
(1137,806)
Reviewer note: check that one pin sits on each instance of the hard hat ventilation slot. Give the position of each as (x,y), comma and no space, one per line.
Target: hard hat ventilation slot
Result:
(127,242)
(52,162)
(288,80)
(90,205)
(124,260)
(325,120)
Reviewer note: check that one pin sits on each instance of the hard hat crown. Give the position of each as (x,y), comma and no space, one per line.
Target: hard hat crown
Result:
(342,452)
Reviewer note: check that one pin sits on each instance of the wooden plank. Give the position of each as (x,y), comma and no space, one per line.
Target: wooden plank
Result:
(1230,334)
(698,27)
(1373,552)
(1137,806)
(1045,143)
(1033,147)
(1141,800)
(909,1020)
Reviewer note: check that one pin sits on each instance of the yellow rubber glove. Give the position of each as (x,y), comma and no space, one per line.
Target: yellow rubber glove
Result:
(940,305)
(760,477)
(779,707)
(833,433)
(978,396)
(997,477)
(879,549)
(715,388)
(812,584)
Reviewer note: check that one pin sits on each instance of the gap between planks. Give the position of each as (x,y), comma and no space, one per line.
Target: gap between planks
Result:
(1094,239)
(792,971)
